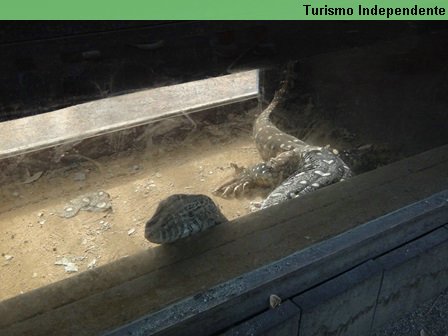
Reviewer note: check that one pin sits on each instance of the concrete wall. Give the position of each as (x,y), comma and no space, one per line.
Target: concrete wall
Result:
(363,299)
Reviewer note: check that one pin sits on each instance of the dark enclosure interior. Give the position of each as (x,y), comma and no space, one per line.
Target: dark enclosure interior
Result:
(375,91)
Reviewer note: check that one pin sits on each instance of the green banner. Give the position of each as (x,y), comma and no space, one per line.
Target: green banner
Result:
(226,9)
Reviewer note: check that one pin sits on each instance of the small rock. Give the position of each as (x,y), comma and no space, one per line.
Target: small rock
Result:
(131,231)
(101,205)
(40,214)
(42,221)
(71,268)
(158,175)
(15,194)
(274,301)
(35,275)
(105,225)
(202,180)
(8,257)
(92,264)
(62,262)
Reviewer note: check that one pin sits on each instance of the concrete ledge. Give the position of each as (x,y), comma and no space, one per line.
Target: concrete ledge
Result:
(341,306)
(281,321)
(296,273)
(413,274)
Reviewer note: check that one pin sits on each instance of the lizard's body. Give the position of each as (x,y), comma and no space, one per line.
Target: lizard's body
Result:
(290,168)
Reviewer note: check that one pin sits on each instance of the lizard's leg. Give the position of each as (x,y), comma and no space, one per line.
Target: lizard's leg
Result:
(262,175)
(321,168)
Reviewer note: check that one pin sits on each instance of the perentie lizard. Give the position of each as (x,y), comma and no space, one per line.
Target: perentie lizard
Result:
(290,168)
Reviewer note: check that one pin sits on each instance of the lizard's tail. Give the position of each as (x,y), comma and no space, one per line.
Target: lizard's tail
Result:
(280,93)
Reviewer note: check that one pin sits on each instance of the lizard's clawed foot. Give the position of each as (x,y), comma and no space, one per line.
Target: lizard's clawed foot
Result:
(237,186)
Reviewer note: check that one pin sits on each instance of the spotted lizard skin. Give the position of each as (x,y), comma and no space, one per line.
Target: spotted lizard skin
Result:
(290,168)
(180,216)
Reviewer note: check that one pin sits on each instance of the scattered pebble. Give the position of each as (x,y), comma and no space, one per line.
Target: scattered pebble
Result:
(202,180)
(105,226)
(92,264)
(8,257)
(40,214)
(15,193)
(95,201)
(158,175)
(131,231)
(274,301)
(61,262)
(35,275)
(69,267)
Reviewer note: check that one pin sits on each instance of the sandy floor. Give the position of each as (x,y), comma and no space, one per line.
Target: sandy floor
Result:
(33,236)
